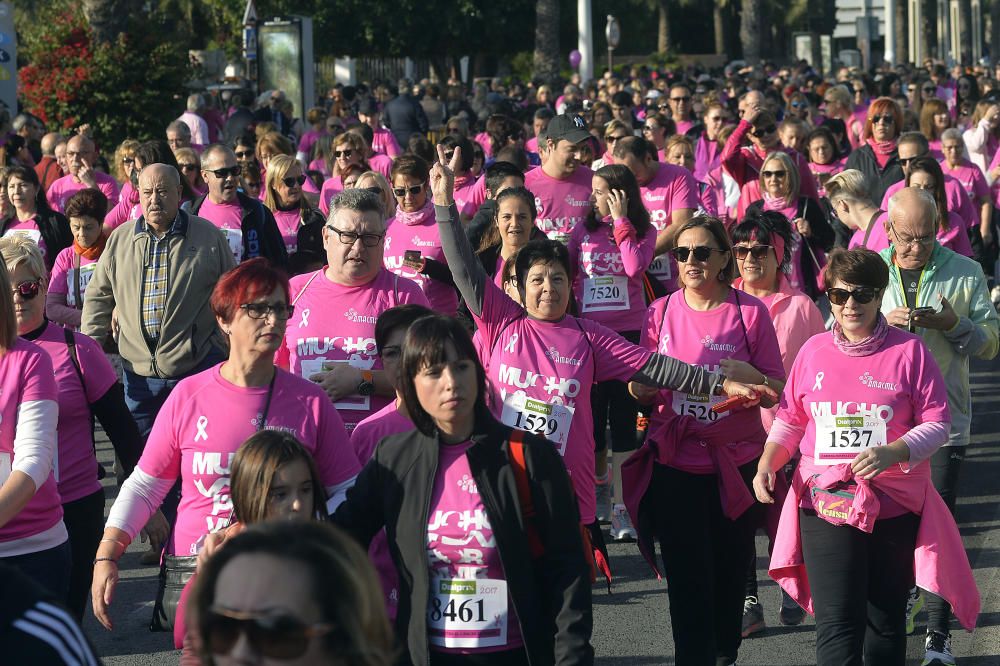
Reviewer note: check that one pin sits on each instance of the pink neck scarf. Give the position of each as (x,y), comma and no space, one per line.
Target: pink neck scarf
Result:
(418,216)
(883,150)
(865,347)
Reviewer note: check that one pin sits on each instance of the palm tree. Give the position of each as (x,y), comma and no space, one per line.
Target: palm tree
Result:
(750,30)
(663,42)
(546,57)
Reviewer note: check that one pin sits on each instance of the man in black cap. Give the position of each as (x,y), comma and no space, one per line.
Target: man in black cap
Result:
(562,185)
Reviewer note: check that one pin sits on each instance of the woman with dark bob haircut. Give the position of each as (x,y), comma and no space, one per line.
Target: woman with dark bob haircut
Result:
(322,592)
(866,405)
(462,477)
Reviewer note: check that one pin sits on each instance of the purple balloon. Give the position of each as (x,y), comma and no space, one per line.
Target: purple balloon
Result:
(574,58)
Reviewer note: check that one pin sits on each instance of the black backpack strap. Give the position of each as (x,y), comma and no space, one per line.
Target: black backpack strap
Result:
(74,358)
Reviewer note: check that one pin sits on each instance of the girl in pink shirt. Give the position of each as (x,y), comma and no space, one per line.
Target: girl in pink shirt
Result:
(609,254)
(284,196)
(75,265)
(865,405)
(825,160)
(347,149)
(699,486)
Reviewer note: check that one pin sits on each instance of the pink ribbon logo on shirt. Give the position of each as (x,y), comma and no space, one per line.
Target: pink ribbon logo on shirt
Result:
(305,318)
(818,386)
(202,424)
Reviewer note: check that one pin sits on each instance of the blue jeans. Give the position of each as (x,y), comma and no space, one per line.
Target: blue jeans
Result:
(49,568)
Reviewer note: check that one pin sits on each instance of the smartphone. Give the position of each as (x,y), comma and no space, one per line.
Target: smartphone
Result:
(412,256)
(923,311)
(726,405)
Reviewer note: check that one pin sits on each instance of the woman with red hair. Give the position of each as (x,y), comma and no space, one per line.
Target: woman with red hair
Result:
(878,158)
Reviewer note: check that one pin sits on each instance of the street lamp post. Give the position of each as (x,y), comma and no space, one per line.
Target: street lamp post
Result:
(613,34)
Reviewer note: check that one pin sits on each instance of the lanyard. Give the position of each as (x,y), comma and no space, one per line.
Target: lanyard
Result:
(267,403)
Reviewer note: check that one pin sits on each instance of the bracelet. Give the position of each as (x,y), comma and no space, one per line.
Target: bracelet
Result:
(105,559)
(764,382)
(124,546)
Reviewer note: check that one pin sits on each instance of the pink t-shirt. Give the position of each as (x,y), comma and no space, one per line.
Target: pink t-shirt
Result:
(955,195)
(956,236)
(531,145)
(483,139)
(900,383)
(461,545)
(878,240)
(76,464)
(29,229)
(288,224)
(672,188)
(422,237)
(608,281)
(64,275)
(26,376)
(336,324)
(332,186)
(319,164)
(309,139)
(470,195)
(61,190)
(555,364)
(206,419)
(561,204)
(971,178)
(382,164)
(364,439)
(384,143)
(707,156)
(228,215)
(738,329)
(823,172)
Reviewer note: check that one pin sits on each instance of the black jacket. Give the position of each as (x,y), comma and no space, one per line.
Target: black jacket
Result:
(261,236)
(55,231)
(877,178)
(404,116)
(551,594)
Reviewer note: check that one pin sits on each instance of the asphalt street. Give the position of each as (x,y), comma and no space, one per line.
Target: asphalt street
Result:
(631,625)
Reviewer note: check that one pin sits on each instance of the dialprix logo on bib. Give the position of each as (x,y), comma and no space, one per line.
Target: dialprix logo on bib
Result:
(452,587)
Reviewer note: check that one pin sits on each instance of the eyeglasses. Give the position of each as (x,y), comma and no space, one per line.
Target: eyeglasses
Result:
(686,98)
(799,105)
(412,191)
(774,174)
(343,153)
(764,131)
(244,154)
(281,312)
(906,160)
(612,139)
(276,636)
(758,252)
(28,289)
(701,253)
(292,181)
(350,238)
(222,174)
(650,128)
(188,167)
(920,241)
(861,295)
(887,119)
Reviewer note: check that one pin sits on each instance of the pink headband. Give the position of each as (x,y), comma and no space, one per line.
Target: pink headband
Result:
(778,243)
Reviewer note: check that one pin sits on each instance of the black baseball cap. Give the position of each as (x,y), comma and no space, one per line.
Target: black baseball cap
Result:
(569,127)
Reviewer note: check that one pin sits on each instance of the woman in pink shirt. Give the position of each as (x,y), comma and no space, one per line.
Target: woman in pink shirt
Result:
(656,129)
(853,206)
(934,120)
(203,423)
(680,151)
(75,265)
(609,253)
(284,196)
(865,405)
(33,537)
(190,167)
(348,148)
(695,492)
(825,160)
(972,180)
(32,216)
(925,173)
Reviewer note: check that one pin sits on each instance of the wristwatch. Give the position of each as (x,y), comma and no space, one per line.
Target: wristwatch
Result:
(719,388)
(367,385)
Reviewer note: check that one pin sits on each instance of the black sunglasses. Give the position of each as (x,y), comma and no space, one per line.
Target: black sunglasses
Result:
(412,191)
(28,289)
(774,174)
(292,181)
(222,174)
(887,119)
(281,312)
(188,167)
(243,154)
(343,153)
(277,636)
(758,252)
(680,99)
(861,295)
(764,131)
(701,253)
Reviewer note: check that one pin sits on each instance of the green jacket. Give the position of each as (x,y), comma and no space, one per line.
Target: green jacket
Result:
(962,283)
(197,257)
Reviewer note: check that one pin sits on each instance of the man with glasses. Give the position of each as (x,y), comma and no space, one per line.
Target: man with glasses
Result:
(331,338)
(682,110)
(247,224)
(273,113)
(179,136)
(81,158)
(942,297)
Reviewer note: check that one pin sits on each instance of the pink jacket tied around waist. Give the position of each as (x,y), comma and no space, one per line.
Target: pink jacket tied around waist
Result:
(939,559)
(660,446)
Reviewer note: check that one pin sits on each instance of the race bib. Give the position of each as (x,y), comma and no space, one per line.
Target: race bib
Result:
(550,421)
(85,274)
(660,268)
(561,236)
(34,235)
(467,613)
(840,438)
(698,406)
(605,293)
(310,367)
(235,239)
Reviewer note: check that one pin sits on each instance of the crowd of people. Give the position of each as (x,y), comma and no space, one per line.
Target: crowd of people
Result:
(383,381)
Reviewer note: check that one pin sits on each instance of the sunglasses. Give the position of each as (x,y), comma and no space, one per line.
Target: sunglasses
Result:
(758,252)
(929,89)
(276,636)
(612,139)
(28,289)
(774,174)
(222,174)
(680,99)
(281,312)
(188,167)
(412,191)
(701,253)
(887,119)
(861,295)
(764,131)
(343,153)
(799,105)
(292,181)
(244,154)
